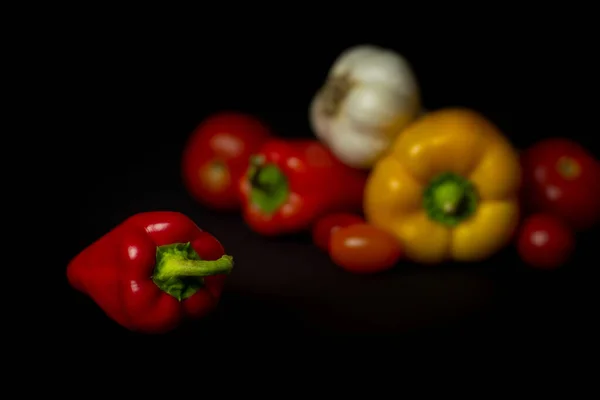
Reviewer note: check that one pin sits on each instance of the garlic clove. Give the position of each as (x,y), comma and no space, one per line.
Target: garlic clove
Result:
(377,65)
(387,68)
(319,123)
(351,57)
(370,95)
(354,147)
(374,106)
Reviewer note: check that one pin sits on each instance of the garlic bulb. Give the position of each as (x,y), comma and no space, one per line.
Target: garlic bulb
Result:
(369,96)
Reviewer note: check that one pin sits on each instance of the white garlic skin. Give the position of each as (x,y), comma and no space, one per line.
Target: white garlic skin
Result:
(383,98)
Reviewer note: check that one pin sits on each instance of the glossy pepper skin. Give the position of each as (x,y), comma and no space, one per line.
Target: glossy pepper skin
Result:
(152,271)
(448,189)
(289,184)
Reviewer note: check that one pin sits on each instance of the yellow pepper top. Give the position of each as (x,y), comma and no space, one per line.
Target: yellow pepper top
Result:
(447,189)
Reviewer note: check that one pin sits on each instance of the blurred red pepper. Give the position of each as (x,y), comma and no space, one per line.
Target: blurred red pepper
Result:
(152,271)
(289,184)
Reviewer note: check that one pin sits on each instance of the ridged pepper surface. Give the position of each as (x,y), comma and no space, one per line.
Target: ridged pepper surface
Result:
(448,188)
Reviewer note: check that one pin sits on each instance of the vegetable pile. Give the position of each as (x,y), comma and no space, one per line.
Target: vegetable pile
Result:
(382,181)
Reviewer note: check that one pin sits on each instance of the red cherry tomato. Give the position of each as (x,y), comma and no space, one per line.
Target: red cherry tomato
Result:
(364,248)
(216,156)
(545,242)
(561,178)
(325,226)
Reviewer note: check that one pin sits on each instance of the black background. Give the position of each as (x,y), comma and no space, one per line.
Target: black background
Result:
(137,87)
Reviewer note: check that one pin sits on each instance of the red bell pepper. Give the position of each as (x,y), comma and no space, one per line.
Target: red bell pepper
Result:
(152,271)
(290,184)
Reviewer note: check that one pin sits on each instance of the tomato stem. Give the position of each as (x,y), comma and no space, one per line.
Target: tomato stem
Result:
(568,168)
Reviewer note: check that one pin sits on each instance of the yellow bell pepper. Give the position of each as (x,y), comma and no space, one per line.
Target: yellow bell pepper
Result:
(447,188)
